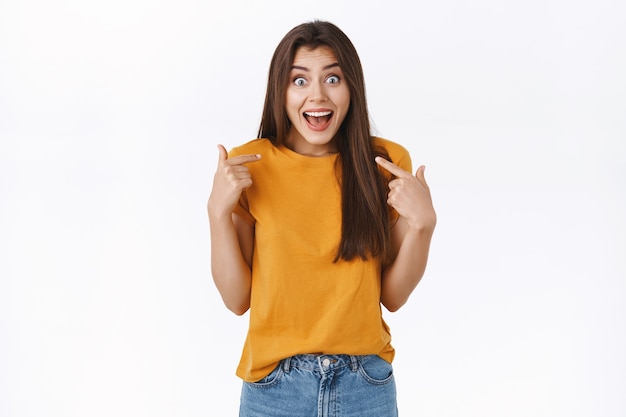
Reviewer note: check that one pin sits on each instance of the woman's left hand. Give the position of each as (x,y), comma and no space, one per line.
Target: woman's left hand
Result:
(410,196)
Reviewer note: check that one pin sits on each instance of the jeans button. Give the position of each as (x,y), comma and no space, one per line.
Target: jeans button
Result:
(326,362)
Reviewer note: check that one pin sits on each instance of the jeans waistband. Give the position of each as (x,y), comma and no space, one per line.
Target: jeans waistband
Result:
(322,363)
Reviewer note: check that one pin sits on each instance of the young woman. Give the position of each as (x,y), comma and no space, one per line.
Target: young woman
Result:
(313,226)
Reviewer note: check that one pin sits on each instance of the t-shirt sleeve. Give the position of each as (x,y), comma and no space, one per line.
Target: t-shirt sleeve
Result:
(404,161)
(241,209)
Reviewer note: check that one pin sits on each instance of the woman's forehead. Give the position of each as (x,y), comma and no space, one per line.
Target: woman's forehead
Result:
(311,55)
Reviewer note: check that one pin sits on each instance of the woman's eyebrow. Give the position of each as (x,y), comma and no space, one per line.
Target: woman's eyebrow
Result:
(297,67)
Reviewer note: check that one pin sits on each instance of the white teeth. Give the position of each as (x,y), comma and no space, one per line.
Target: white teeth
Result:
(317,113)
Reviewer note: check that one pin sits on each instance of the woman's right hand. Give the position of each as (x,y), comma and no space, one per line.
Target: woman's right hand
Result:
(231,178)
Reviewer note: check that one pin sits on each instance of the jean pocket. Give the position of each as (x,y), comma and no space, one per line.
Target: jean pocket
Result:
(375,370)
(271,379)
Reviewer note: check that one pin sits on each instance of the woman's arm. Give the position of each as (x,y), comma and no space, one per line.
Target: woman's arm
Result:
(402,276)
(411,235)
(231,259)
(232,240)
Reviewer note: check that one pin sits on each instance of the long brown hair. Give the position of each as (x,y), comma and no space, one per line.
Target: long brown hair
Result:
(365,230)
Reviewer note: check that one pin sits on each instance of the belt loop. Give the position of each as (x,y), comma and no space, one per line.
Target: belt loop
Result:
(354,363)
(287,364)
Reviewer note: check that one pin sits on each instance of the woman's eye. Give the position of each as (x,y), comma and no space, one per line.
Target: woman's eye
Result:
(299,81)
(333,79)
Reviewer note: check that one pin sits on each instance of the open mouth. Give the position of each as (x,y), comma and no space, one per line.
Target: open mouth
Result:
(318,120)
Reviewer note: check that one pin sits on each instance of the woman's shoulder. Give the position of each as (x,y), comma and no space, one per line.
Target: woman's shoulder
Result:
(253,146)
(397,153)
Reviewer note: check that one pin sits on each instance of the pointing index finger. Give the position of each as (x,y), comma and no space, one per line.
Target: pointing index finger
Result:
(236,160)
(243,159)
(391,167)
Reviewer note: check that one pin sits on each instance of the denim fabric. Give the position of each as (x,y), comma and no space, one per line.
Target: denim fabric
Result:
(323,386)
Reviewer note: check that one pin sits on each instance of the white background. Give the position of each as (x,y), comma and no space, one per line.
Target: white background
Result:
(110,113)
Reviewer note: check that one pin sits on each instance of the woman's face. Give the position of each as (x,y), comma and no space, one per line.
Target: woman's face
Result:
(317,101)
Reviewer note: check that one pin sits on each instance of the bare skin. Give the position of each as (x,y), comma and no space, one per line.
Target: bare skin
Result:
(410,196)
(231,260)
(317,85)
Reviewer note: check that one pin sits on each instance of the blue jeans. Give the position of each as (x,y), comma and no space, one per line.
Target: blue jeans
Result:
(323,386)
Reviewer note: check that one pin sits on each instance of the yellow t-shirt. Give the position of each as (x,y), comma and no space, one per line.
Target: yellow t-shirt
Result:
(302,301)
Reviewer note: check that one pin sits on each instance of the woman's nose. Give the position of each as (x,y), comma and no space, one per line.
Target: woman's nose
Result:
(317,92)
